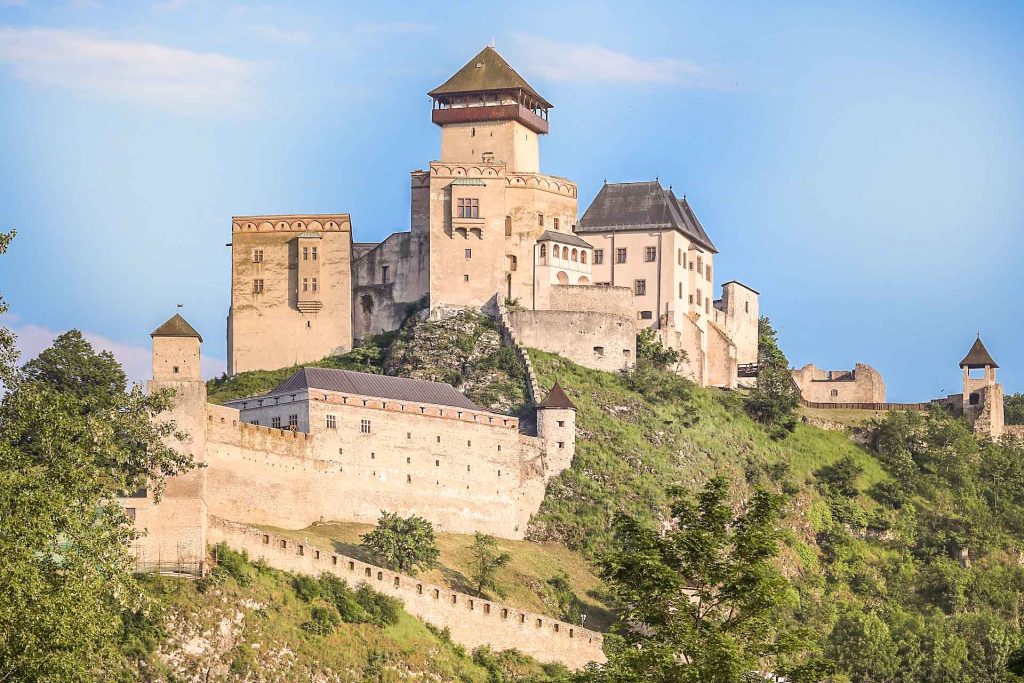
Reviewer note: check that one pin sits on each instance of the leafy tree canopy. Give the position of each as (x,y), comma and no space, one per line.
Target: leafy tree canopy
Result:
(403,544)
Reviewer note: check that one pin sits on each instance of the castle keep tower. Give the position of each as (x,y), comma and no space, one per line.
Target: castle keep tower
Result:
(982,397)
(485,202)
(291,290)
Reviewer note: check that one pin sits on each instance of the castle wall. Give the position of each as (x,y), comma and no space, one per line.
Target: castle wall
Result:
(593,339)
(737,312)
(388,281)
(721,358)
(863,385)
(278,318)
(472,621)
(611,300)
(462,475)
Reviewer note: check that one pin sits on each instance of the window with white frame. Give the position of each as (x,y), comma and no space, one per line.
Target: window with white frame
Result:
(364,426)
(467,207)
(332,422)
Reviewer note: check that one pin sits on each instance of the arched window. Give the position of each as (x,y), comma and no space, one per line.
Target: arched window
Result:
(563,279)
(543,251)
(556,251)
(575,255)
(583,257)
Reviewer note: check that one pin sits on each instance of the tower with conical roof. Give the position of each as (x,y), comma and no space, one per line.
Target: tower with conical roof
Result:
(556,426)
(982,395)
(484,202)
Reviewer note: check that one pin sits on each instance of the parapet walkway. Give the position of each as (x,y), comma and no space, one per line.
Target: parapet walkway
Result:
(472,621)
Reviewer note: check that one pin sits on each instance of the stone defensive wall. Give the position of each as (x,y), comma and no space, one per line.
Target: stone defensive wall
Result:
(614,300)
(922,407)
(462,470)
(593,339)
(472,621)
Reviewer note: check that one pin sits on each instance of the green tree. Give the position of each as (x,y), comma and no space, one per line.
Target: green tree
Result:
(862,646)
(8,354)
(487,561)
(773,402)
(702,601)
(402,544)
(650,349)
(71,438)
(1013,408)
(769,353)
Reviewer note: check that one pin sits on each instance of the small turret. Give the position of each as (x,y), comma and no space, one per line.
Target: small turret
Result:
(982,395)
(176,351)
(556,426)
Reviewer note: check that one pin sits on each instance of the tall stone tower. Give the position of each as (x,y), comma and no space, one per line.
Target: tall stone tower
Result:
(291,290)
(982,395)
(175,527)
(556,426)
(485,202)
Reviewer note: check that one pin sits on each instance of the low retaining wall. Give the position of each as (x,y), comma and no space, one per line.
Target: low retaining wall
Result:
(921,407)
(472,621)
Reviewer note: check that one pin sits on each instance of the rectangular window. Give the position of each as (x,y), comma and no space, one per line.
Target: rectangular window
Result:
(130,512)
(598,257)
(305,284)
(620,255)
(257,286)
(700,297)
(313,283)
(540,220)
(556,224)
(707,305)
(469,253)
(691,299)
(364,426)
(293,422)
(257,256)
(508,226)
(314,253)
(679,257)
(650,253)
(465,278)
(700,264)
(468,207)
(384,274)
(707,272)
(275,422)
(646,315)
(746,307)
(640,287)
(305,253)
(332,422)
(680,290)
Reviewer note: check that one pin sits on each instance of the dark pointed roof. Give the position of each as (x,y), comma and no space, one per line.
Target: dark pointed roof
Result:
(564,238)
(643,206)
(176,327)
(978,356)
(378,386)
(556,398)
(487,72)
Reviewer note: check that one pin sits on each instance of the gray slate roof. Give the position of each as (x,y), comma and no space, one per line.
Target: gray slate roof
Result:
(978,356)
(487,72)
(556,398)
(642,206)
(378,386)
(564,238)
(176,326)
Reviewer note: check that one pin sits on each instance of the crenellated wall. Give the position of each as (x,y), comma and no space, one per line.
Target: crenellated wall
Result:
(472,621)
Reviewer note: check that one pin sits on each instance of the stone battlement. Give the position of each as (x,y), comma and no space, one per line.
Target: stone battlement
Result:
(292,223)
(472,621)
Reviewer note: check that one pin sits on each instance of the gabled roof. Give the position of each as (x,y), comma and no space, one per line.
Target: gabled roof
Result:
(487,72)
(378,386)
(642,206)
(564,238)
(176,326)
(556,398)
(978,356)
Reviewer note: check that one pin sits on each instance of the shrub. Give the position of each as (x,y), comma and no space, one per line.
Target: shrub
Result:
(322,621)
(306,587)
(382,609)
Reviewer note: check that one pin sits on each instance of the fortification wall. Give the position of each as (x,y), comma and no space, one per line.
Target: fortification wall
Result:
(721,358)
(593,339)
(462,475)
(387,282)
(613,300)
(472,621)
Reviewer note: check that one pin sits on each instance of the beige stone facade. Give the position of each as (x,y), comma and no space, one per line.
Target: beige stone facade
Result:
(291,290)
(863,384)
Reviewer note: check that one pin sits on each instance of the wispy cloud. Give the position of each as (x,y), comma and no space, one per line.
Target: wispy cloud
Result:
(167,77)
(276,34)
(559,61)
(136,360)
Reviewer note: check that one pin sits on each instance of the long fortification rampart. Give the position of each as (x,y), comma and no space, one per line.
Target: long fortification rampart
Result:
(472,621)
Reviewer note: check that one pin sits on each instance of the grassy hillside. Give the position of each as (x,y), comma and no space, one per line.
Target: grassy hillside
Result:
(250,623)
(531,581)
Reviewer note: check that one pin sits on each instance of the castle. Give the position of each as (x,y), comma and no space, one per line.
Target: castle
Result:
(487,227)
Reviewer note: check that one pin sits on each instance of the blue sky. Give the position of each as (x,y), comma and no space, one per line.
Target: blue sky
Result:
(861,164)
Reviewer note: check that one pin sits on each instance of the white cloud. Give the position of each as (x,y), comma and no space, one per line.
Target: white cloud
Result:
(171,78)
(590,62)
(275,34)
(136,360)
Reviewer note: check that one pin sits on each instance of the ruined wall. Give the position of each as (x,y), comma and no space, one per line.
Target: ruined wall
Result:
(616,300)
(863,385)
(721,358)
(472,621)
(458,469)
(987,417)
(593,339)
(388,281)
